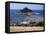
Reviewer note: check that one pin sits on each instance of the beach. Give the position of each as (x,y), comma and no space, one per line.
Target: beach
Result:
(24,28)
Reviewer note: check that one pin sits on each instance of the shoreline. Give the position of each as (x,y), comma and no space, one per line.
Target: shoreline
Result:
(23,28)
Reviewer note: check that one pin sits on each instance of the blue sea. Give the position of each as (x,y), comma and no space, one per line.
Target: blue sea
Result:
(15,16)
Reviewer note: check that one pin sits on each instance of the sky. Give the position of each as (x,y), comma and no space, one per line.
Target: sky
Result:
(30,6)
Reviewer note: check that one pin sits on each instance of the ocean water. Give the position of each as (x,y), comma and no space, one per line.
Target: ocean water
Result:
(16,16)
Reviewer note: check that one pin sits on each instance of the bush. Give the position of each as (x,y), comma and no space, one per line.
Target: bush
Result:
(40,24)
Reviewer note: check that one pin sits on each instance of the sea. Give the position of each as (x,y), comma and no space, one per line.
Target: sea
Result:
(16,16)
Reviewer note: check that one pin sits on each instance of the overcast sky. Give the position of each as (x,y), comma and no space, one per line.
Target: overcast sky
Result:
(30,6)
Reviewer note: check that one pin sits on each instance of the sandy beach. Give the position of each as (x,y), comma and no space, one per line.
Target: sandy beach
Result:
(23,28)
